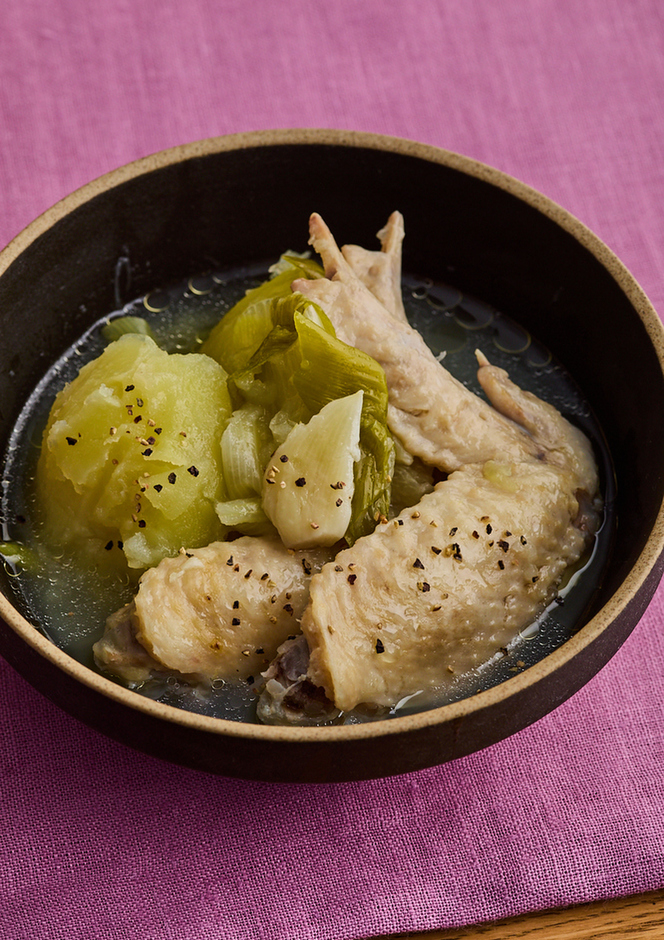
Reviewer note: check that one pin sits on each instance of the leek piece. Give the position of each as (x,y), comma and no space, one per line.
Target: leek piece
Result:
(245,515)
(308,487)
(286,359)
(332,369)
(240,332)
(246,445)
(116,328)
(17,554)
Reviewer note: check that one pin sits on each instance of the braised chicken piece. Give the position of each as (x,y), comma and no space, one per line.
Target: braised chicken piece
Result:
(448,583)
(432,414)
(215,612)
(380,271)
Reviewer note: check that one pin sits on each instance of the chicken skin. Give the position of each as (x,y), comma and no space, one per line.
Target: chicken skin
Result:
(215,612)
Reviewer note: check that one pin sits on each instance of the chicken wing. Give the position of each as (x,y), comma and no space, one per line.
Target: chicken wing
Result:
(380,271)
(444,586)
(432,414)
(215,612)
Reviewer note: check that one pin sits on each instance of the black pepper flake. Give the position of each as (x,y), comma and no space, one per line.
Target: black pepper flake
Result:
(147,451)
(235,621)
(535,579)
(265,576)
(338,568)
(108,546)
(230,562)
(338,485)
(129,388)
(236,605)
(172,478)
(250,680)
(306,566)
(193,471)
(236,567)
(560,601)
(523,540)
(423,586)
(71,441)
(436,550)
(283,458)
(158,487)
(453,531)
(139,402)
(120,545)
(418,564)
(400,521)
(504,545)
(260,650)
(339,501)
(141,523)
(379,646)
(158,430)
(507,534)
(248,574)
(475,534)
(151,441)
(300,481)
(288,608)
(489,530)
(138,418)
(352,578)
(501,564)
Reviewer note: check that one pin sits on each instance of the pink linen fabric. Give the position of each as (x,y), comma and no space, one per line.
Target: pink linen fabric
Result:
(97,841)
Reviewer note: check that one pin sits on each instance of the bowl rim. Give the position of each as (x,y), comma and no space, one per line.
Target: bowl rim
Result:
(585,637)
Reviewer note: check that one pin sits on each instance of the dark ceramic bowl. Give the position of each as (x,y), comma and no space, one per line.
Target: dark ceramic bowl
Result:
(242,199)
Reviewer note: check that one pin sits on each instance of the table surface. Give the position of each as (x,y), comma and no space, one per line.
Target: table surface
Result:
(99,842)
(639,915)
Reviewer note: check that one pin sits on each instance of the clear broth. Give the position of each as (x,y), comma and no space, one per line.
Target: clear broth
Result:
(70,605)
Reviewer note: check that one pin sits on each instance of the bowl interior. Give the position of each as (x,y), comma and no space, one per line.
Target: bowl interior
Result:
(242,200)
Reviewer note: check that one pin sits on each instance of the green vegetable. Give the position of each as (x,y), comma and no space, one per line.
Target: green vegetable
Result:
(246,515)
(131,455)
(237,336)
(114,329)
(246,445)
(308,488)
(300,366)
(17,554)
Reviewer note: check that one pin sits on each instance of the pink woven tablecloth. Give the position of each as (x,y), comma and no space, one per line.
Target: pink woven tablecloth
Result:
(97,841)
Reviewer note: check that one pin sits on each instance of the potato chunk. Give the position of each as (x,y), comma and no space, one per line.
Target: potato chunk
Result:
(131,455)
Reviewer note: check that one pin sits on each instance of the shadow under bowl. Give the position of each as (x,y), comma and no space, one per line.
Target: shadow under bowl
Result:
(240,200)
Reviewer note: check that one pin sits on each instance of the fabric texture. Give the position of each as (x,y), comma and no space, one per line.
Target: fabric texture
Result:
(97,841)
